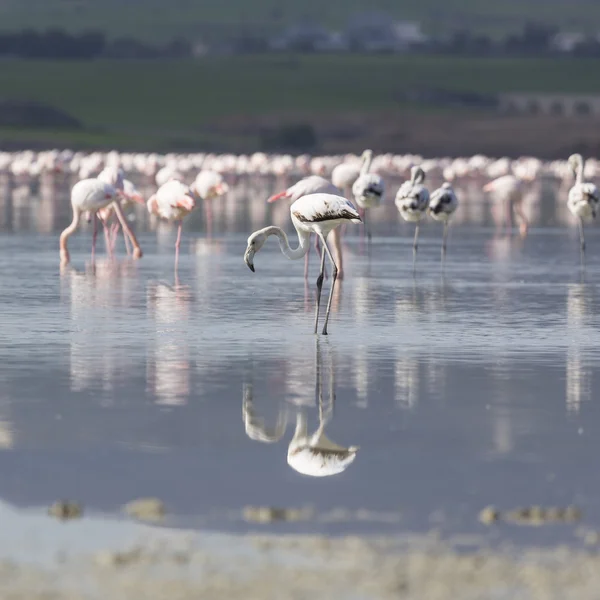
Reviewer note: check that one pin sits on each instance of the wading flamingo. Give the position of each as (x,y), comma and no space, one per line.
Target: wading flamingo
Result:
(583,199)
(315,184)
(442,205)
(316,213)
(130,196)
(173,201)
(89,196)
(509,190)
(209,185)
(368,190)
(412,200)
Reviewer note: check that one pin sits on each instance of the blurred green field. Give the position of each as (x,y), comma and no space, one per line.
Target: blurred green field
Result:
(181,100)
(159,20)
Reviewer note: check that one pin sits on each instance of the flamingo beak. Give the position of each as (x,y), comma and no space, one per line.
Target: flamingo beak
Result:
(277,196)
(138,198)
(249,259)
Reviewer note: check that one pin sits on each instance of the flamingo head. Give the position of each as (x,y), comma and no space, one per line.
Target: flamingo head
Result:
(152,205)
(575,160)
(255,243)
(187,201)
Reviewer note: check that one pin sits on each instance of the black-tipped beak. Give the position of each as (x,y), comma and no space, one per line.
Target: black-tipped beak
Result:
(248,259)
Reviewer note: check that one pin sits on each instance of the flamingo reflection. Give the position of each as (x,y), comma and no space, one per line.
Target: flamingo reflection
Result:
(312,454)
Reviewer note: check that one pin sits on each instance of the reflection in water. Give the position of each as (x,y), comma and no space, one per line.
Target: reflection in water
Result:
(310,454)
(579,377)
(168,363)
(95,351)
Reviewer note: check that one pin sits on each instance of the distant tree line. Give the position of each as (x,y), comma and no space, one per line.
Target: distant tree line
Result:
(534,40)
(58,44)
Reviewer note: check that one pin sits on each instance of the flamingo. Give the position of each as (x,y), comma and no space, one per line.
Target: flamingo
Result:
(316,213)
(368,189)
(509,189)
(412,200)
(129,196)
(583,199)
(315,184)
(91,195)
(345,174)
(208,185)
(173,201)
(442,205)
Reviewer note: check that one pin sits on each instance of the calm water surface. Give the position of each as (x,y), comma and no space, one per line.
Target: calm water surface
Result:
(470,387)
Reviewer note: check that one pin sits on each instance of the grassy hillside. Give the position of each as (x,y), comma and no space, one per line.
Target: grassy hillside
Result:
(153,104)
(161,20)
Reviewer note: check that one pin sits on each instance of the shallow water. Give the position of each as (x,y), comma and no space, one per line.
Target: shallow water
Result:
(464,387)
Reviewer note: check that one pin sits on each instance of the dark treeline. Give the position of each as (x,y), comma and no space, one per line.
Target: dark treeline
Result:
(533,40)
(57,44)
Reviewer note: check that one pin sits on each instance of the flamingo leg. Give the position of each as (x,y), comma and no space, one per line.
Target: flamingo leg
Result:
(306,265)
(581,240)
(137,251)
(107,239)
(444,240)
(177,245)
(336,239)
(367,226)
(114,231)
(127,245)
(209,217)
(319,288)
(415,247)
(94,236)
(318,249)
(333,279)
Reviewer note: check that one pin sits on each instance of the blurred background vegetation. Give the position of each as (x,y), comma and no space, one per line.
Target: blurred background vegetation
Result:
(239,75)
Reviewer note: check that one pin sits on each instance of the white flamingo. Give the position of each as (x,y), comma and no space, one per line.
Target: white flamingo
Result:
(412,200)
(314,184)
(309,454)
(89,196)
(345,174)
(368,189)
(442,205)
(583,199)
(316,213)
(173,201)
(316,455)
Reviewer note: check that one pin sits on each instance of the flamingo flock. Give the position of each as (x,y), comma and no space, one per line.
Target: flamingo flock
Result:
(326,193)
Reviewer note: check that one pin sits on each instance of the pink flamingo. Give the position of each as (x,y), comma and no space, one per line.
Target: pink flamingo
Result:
(90,196)
(173,201)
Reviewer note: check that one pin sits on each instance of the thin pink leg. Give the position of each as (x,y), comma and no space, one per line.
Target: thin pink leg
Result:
(127,245)
(114,231)
(94,236)
(177,244)
(107,242)
(209,218)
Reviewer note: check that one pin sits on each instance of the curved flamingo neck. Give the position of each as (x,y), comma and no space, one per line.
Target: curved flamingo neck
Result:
(291,253)
(68,231)
(367,160)
(579,172)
